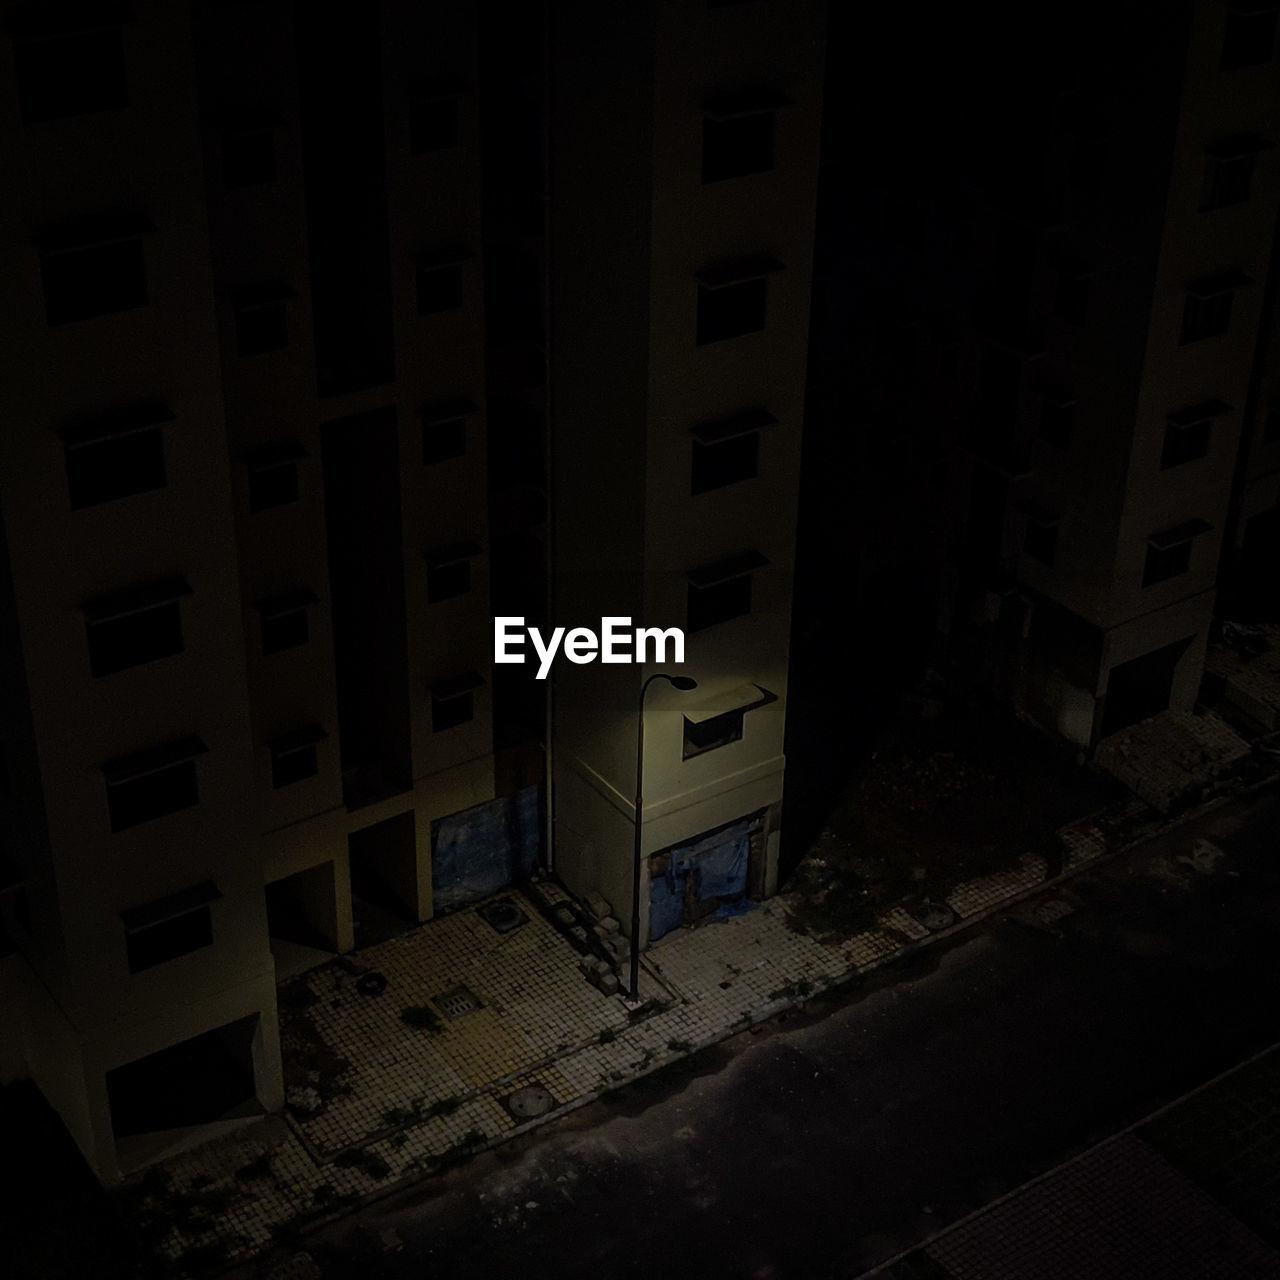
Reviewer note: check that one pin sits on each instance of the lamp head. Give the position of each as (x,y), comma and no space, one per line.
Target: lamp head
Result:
(683,683)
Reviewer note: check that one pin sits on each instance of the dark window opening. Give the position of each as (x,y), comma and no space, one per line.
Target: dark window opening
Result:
(284,622)
(119,467)
(707,735)
(170,939)
(1041,542)
(1057,417)
(719,602)
(1163,563)
(448,713)
(443,440)
(439,289)
(155,794)
(273,486)
(293,765)
(262,328)
(71,75)
(93,280)
(731,310)
(737,146)
(1071,302)
(445,581)
(1228,180)
(116,644)
(1207,313)
(248,158)
(433,124)
(724,462)
(1184,442)
(1249,37)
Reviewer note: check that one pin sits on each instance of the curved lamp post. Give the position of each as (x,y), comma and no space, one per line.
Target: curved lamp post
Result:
(684,684)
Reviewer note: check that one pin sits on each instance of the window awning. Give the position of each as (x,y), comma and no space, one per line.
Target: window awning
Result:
(136,599)
(126,768)
(282,602)
(456,686)
(710,575)
(1222,282)
(167,908)
(125,421)
(447,410)
(452,553)
(296,739)
(1180,533)
(274,455)
(744,697)
(1199,412)
(719,275)
(745,102)
(86,233)
(737,424)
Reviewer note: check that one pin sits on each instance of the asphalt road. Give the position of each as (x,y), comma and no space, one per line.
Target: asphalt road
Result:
(835,1137)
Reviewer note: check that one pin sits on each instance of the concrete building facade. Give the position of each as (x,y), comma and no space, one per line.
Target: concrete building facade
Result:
(683,171)
(244,496)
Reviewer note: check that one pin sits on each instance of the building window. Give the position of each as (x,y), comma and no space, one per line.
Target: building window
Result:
(707,735)
(720,591)
(449,571)
(1228,172)
(1071,301)
(152,784)
(738,135)
(1040,541)
(733,298)
(439,289)
(283,621)
(262,319)
(1207,311)
(1057,418)
(1186,434)
(171,927)
(248,157)
(444,430)
(433,116)
(116,455)
(453,702)
(727,450)
(135,627)
(293,756)
(273,476)
(725,462)
(438,279)
(93,268)
(70,73)
(1250,34)
(1169,552)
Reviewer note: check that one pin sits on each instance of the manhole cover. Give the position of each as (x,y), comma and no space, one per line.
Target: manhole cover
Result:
(934,916)
(532,1100)
(502,914)
(456,1001)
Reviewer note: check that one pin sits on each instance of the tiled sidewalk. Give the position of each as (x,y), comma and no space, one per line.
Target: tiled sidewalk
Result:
(389,1085)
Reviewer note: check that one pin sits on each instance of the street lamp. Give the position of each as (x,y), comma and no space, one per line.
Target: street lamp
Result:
(684,684)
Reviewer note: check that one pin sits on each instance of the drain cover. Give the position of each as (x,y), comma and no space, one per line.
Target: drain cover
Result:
(502,914)
(456,1001)
(532,1100)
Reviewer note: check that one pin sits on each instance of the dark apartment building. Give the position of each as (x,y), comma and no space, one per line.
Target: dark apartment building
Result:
(328,331)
